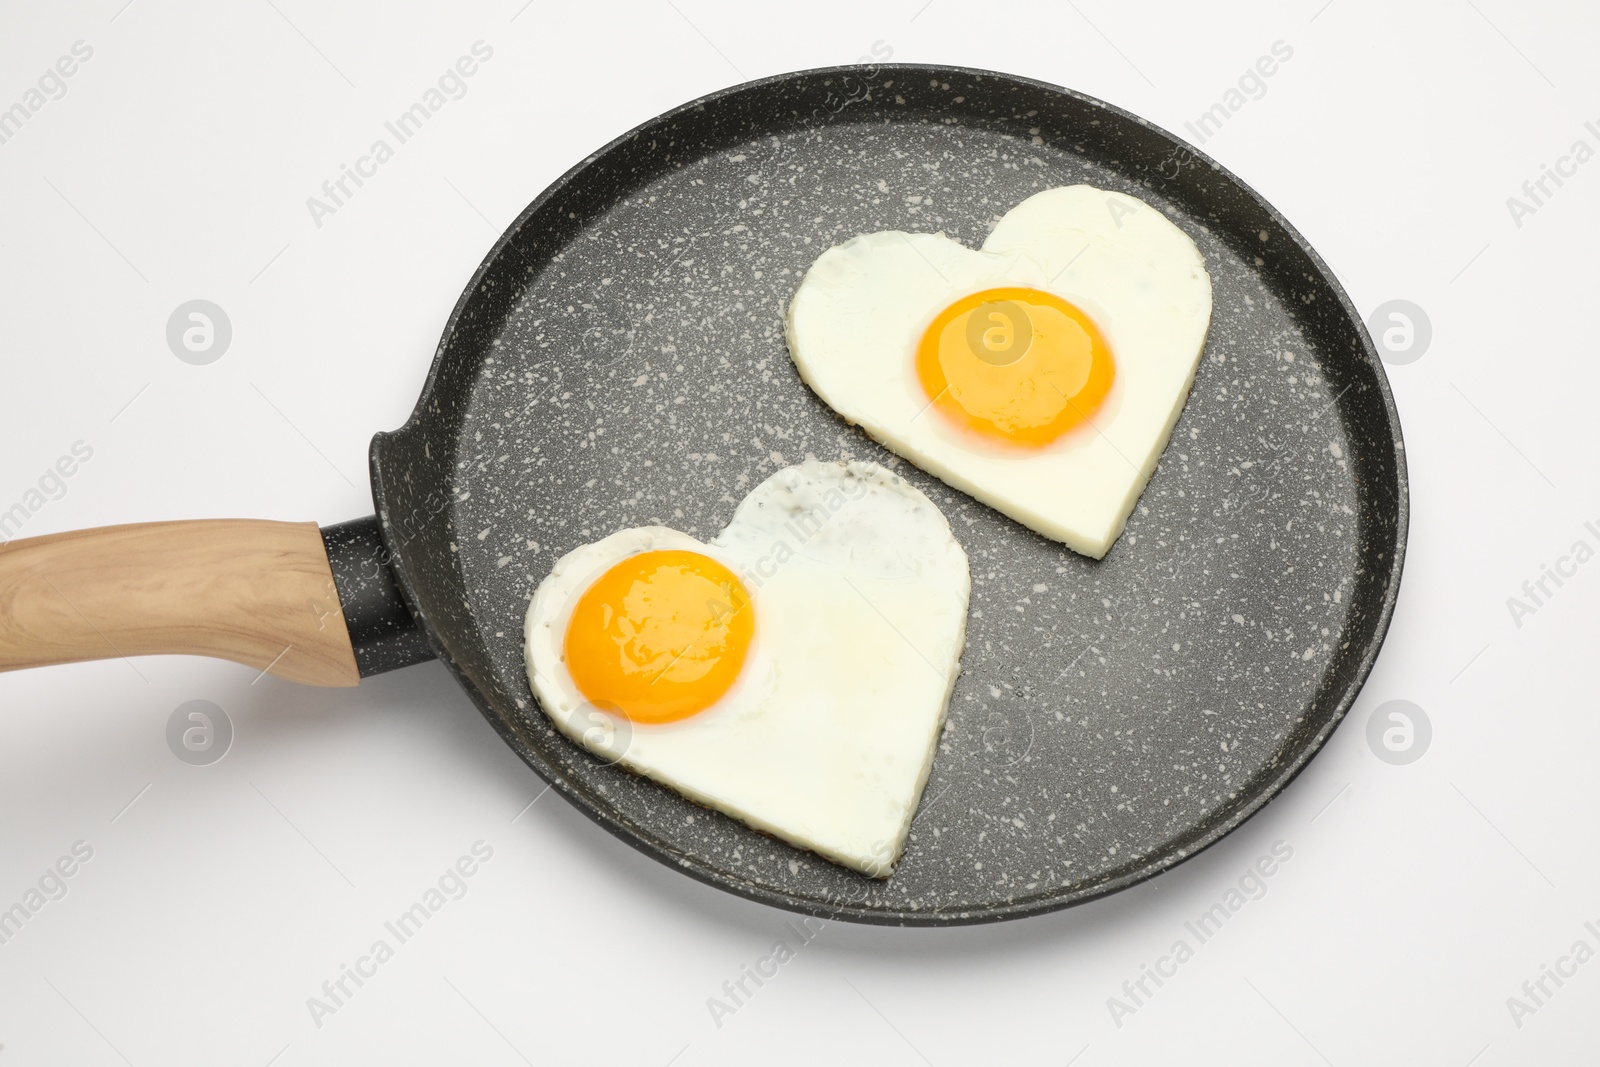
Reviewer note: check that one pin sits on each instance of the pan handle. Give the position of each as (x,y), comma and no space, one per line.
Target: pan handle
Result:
(254,592)
(382,628)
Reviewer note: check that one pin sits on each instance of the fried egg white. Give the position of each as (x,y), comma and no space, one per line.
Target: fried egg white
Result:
(793,673)
(1042,375)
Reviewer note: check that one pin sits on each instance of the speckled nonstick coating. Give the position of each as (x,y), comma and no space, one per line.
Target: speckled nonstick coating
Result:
(619,360)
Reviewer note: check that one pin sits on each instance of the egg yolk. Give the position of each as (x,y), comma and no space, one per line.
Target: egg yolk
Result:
(660,636)
(1014,365)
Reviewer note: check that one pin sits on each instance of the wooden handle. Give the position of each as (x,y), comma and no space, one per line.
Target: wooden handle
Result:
(254,592)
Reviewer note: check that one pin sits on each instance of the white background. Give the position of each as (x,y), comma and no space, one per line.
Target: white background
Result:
(1419,897)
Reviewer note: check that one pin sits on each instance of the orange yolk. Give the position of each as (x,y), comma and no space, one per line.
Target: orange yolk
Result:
(1015,365)
(660,636)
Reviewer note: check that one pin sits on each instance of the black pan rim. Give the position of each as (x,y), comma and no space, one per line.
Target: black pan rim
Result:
(1016,908)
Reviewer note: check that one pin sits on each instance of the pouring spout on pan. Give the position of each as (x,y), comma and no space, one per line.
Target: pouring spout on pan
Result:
(288,599)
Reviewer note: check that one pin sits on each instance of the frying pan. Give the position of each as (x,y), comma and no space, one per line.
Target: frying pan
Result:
(618,360)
